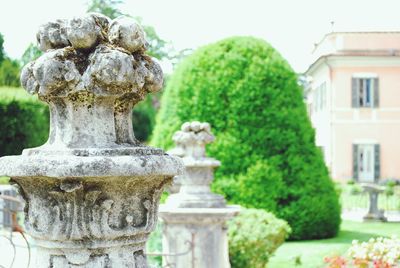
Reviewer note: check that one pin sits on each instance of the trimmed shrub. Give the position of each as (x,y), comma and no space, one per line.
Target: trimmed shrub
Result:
(24,121)
(250,96)
(9,73)
(254,236)
(250,188)
(153,245)
(143,117)
(24,124)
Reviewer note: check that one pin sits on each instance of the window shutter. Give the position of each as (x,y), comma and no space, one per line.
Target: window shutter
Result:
(377,162)
(376,92)
(354,92)
(355,162)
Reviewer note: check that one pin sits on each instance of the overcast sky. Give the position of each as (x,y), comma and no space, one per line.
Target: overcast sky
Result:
(291,26)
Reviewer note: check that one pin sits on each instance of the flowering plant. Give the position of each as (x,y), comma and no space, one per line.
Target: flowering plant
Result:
(380,252)
(376,253)
(335,262)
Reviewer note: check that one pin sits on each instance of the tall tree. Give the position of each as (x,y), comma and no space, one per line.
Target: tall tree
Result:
(32,52)
(2,53)
(251,97)
(158,47)
(9,72)
(106,7)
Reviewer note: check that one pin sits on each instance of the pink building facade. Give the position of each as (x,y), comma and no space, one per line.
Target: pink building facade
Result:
(353,100)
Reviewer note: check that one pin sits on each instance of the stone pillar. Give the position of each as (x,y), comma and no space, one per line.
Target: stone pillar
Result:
(374,213)
(92,190)
(194,231)
(179,152)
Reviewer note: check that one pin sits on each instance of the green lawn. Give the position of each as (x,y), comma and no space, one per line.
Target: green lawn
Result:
(4,180)
(312,253)
(15,93)
(353,197)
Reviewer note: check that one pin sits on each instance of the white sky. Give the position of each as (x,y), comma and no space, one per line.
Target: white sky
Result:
(291,26)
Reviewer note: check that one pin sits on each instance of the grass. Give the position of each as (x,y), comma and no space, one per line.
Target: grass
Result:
(353,197)
(4,180)
(310,254)
(15,93)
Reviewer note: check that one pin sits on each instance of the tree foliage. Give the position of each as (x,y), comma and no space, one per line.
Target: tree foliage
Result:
(9,69)
(9,73)
(31,53)
(265,141)
(106,7)
(24,124)
(158,47)
(2,53)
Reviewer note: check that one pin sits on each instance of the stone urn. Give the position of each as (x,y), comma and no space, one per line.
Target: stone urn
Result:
(92,190)
(374,213)
(194,219)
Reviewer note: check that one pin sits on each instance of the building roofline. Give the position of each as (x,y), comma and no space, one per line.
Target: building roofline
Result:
(356,32)
(327,56)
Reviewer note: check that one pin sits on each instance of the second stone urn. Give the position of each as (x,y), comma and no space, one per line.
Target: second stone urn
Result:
(92,191)
(194,219)
(194,190)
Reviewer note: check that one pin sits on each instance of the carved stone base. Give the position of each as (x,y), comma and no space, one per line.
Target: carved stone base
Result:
(127,256)
(378,217)
(101,222)
(196,237)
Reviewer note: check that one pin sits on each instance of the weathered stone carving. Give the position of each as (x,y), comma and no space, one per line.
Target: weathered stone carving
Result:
(92,190)
(195,183)
(195,214)
(374,213)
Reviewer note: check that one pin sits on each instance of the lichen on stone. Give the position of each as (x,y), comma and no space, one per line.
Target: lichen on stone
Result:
(95,54)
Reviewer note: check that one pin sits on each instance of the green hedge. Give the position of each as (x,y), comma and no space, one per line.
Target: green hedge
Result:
(24,123)
(143,116)
(254,236)
(24,120)
(264,139)
(9,73)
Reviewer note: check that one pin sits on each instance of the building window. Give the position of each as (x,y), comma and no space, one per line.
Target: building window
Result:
(366,162)
(365,92)
(322,90)
(319,98)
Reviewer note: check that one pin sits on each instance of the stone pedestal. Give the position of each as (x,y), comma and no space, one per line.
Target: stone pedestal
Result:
(194,231)
(92,191)
(176,183)
(374,213)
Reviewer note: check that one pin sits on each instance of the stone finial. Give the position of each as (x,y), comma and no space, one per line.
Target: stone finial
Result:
(194,184)
(94,55)
(93,70)
(192,213)
(92,190)
(193,138)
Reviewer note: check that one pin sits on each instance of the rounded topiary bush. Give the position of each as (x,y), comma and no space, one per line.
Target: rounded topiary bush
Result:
(24,124)
(250,96)
(254,235)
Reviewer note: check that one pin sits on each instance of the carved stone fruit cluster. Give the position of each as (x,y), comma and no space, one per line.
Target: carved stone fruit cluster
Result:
(192,138)
(194,132)
(92,54)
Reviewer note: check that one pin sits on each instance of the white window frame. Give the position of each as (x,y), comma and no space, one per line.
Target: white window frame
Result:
(364,77)
(319,97)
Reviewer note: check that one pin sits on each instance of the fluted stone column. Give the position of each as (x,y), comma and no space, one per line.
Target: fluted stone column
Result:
(194,230)
(92,191)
